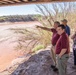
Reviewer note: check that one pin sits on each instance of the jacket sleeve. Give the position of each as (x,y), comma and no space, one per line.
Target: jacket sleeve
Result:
(68,31)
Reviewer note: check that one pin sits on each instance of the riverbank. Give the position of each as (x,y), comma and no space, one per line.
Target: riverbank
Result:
(7,52)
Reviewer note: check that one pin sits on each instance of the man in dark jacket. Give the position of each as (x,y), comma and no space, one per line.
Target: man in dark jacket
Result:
(67,28)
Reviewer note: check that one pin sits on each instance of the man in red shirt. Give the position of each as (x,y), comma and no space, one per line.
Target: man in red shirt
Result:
(55,37)
(62,50)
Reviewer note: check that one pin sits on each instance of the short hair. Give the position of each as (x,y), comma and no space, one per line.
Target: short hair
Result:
(57,22)
(62,26)
(64,20)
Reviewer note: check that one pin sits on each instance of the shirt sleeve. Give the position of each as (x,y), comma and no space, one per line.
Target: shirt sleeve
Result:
(52,29)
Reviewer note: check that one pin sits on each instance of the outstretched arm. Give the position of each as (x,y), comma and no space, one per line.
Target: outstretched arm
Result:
(44,28)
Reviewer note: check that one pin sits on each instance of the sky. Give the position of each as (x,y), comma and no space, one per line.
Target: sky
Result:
(19,10)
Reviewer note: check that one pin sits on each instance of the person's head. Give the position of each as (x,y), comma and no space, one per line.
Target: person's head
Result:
(64,22)
(61,29)
(56,24)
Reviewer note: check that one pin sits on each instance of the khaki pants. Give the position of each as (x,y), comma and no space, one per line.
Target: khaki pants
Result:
(62,64)
(53,54)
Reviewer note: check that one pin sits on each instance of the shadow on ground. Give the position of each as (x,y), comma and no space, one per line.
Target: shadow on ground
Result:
(39,64)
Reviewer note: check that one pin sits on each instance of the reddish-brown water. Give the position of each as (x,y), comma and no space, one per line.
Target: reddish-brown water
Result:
(7,52)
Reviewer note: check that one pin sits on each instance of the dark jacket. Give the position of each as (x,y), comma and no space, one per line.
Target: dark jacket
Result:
(67,30)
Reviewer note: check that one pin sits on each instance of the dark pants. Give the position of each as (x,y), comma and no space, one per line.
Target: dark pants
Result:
(74,53)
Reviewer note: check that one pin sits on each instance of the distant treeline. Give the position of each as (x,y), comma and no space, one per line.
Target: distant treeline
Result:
(18,18)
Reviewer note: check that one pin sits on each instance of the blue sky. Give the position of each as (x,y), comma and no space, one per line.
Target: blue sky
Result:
(21,9)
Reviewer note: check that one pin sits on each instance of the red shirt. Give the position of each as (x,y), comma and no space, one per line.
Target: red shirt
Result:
(62,43)
(55,36)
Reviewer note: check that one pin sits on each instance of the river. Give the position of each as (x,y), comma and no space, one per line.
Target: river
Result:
(7,52)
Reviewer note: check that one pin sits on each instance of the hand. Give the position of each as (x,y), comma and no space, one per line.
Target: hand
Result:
(59,56)
(37,26)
